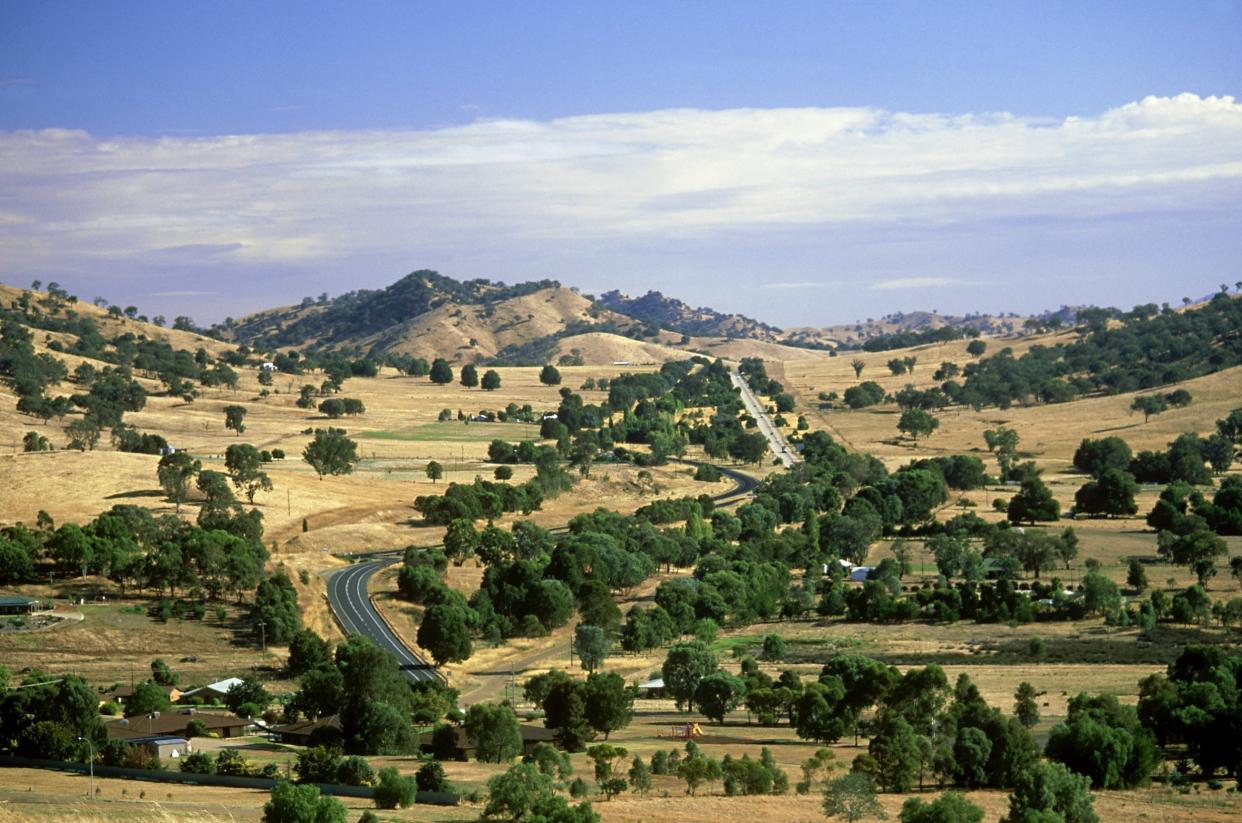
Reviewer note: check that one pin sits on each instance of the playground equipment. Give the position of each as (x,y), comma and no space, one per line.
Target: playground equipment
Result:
(687,732)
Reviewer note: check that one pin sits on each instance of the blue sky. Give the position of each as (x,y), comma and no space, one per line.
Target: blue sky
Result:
(821,161)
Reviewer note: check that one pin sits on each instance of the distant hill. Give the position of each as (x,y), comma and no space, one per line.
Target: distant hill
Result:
(430,315)
(654,309)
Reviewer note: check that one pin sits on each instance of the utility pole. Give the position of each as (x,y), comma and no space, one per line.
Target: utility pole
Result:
(263,633)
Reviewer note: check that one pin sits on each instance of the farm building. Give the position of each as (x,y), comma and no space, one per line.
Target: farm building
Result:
(175,724)
(12,604)
(212,692)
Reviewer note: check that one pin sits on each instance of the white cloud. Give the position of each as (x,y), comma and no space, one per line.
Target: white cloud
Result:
(598,181)
(904,283)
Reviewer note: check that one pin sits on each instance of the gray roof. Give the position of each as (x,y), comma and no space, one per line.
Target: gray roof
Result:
(16,600)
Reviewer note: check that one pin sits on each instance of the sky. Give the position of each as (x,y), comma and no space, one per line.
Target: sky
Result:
(802,163)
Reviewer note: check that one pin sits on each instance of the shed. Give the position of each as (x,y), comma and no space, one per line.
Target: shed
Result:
(212,692)
(161,747)
(653,688)
(308,732)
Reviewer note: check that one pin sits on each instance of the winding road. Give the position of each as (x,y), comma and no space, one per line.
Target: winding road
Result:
(352,606)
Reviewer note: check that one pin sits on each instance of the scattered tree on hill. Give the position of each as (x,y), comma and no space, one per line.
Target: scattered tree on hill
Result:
(491,380)
(331,452)
(852,797)
(916,423)
(550,376)
(1110,495)
(245,470)
(469,376)
(434,471)
(1033,502)
(1024,707)
(1149,404)
(441,372)
(592,644)
(234,417)
(858,366)
(1003,443)
(175,472)
(976,347)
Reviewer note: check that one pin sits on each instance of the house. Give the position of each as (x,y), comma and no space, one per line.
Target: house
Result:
(531,737)
(268,366)
(212,692)
(859,574)
(176,724)
(12,604)
(308,732)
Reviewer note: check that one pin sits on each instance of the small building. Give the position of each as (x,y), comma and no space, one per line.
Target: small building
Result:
(162,747)
(15,604)
(268,366)
(652,689)
(859,574)
(212,692)
(308,732)
(176,724)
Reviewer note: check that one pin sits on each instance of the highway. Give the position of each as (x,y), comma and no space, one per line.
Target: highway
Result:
(777,443)
(348,599)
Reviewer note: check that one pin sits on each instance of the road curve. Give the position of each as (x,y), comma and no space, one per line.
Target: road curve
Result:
(777,443)
(347,595)
(350,603)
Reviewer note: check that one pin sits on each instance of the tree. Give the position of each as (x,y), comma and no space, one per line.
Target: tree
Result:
(976,347)
(147,697)
(491,380)
(175,472)
(564,708)
(773,650)
(245,469)
(445,633)
(394,791)
(1136,575)
(469,376)
(639,775)
(549,376)
(852,797)
(718,694)
(441,372)
(1050,792)
(895,749)
(234,417)
(1149,405)
(1199,551)
(161,674)
(331,452)
(434,471)
(1105,741)
(858,366)
(609,703)
(950,807)
(1112,494)
(916,422)
(592,644)
(308,652)
(1094,456)
(1024,707)
(495,732)
(1034,501)
(301,804)
(683,668)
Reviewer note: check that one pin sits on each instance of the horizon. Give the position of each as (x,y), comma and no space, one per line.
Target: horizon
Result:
(810,165)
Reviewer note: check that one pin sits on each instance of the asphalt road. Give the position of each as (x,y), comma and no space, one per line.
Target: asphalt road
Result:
(777,443)
(348,599)
(347,595)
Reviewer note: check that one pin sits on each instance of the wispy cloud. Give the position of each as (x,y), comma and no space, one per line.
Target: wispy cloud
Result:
(584,186)
(905,283)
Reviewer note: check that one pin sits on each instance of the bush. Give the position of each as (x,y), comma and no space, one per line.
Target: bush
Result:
(394,791)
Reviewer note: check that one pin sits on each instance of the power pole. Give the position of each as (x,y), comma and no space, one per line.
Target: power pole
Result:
(263,633)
